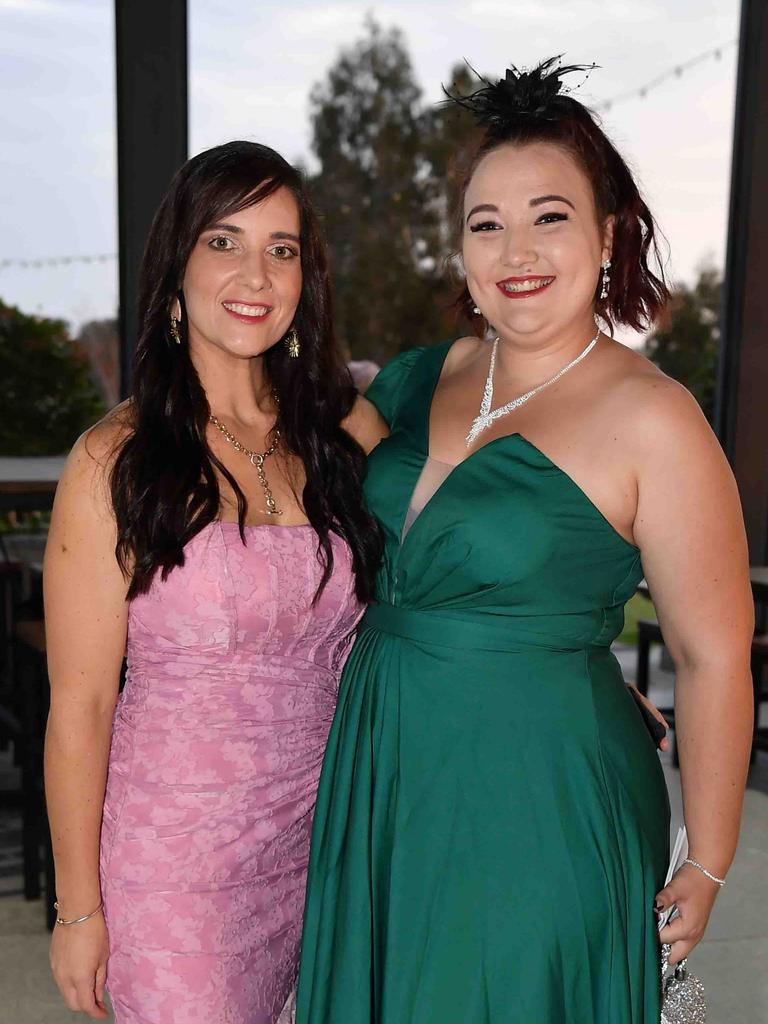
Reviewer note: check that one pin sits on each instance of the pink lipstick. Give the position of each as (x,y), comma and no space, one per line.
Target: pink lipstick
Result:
(247,312)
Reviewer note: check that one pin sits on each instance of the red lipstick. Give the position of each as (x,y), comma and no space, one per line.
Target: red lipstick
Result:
(511,288)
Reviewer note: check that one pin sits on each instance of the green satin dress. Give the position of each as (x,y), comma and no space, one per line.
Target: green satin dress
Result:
(492,819)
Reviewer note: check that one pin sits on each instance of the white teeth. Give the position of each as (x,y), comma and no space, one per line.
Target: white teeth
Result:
(238,307)
(526,286)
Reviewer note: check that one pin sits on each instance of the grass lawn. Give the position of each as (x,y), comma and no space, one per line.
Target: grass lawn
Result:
(638,607)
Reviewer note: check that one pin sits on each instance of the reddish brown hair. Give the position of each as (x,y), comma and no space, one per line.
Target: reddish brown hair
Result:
(636,292)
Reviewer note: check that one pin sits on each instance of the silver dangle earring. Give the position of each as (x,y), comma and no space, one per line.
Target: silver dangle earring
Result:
(175,329)
(293,344)
(606,279)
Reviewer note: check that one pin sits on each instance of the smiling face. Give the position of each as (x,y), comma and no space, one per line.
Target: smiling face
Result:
(243,279)
(532,244)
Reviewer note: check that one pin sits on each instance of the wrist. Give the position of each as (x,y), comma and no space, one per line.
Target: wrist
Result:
(75,903)
(713,861)
(61,919)
(703,869)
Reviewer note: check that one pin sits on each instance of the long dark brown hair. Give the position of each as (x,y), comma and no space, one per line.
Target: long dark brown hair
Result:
(529,106)
(164,486)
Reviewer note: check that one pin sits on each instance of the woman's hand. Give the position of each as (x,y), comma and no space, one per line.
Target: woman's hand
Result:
(79,964)
(650,706)
(694,894)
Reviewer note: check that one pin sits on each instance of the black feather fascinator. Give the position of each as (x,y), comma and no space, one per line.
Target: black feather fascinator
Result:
(522,95)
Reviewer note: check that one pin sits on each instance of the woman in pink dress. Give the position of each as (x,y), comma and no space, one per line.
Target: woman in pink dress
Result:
(213,529)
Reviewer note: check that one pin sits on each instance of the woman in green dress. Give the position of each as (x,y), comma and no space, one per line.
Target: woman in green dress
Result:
(491,831)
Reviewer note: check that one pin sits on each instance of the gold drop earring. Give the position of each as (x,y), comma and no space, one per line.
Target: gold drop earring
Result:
(293,344)
(175,329)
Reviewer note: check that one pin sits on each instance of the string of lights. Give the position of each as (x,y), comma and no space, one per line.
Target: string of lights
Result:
(677,71)
(57,261)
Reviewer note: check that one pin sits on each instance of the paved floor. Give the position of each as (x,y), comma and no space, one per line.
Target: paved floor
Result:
(730,961)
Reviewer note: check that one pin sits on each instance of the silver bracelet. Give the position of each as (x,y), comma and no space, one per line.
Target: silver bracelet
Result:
(703,870)
(77,920)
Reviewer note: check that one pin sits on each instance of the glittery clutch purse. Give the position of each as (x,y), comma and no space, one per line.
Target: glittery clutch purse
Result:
(682,994)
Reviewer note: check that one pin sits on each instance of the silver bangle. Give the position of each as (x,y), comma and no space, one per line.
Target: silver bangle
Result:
(77,920)
(703,870)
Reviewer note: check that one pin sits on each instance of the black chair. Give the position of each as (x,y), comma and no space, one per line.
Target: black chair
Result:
(649,633)
(34,700)
(10,598)
(758,662)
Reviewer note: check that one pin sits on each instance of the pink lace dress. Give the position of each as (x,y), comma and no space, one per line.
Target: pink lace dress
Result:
(216,752)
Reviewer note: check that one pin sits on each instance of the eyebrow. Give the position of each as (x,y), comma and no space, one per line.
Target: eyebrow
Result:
(225,227)
(235,230)
(483,208)
(551,199)
(538,201)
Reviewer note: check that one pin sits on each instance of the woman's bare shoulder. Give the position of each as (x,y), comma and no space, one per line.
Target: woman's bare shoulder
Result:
(101,440)
(83,532)
(651,408)
(463,353)
(94,453)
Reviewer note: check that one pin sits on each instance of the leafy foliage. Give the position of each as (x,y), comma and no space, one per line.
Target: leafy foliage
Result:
(47,393)
(390,167)
(685,343)
(382,189)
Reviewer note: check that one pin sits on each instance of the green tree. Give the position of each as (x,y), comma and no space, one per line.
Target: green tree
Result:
(47,392)
(450,138)
(375,188)
(686,341)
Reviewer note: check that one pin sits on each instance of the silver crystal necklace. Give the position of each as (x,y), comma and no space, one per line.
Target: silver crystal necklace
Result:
(486,416)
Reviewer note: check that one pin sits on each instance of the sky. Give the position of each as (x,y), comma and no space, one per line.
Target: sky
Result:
(252,67)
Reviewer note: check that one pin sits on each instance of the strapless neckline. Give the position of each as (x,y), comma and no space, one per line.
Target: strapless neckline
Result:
(260,526)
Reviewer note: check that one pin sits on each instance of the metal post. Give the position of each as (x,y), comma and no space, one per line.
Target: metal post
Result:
(741,415)
(151,63)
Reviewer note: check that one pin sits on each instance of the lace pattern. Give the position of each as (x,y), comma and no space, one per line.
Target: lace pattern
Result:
(216,752)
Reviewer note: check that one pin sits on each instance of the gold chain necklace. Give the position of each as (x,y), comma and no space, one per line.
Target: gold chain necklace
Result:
(257,460)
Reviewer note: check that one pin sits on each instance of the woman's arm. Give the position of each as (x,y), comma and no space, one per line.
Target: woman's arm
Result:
(85,616)
(691,534)
(365,424)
